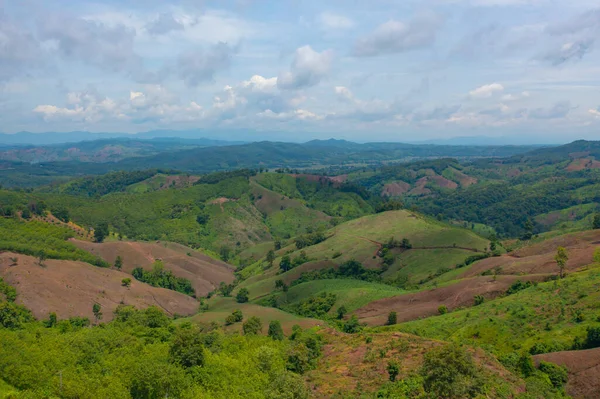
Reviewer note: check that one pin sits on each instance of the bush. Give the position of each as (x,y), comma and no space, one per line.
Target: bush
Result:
(235,317)
(316,306)
(352,326)
(558,375)
(393,370)
(253,326)
(442,309)
(275,330)
(479,299)
(242,295)
(449,372)
(392,319)
(341,312)
(126,282)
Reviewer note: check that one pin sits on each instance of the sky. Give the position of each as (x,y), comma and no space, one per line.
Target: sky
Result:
(395,70)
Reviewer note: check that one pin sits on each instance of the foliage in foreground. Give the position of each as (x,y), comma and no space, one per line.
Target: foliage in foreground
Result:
(141,354)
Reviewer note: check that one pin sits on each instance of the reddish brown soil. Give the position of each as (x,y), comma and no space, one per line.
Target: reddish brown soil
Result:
(443,182)
(583,163)
(426,303)
(71,288)
(539,258)
(180,181)
(395,189)
(204,272)
(420,188)
(584,371)
(350,365)
(463,179)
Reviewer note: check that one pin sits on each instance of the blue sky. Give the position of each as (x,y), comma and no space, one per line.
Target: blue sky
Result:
(396,70)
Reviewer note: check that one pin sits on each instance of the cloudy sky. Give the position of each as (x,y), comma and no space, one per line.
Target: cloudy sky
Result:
(401,70)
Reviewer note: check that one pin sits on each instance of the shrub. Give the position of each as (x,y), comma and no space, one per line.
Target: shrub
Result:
(392,318)
(352,326)
(242,295)
(126,282)
(479,299)
(393,370)
(557,374)
(252,326)
(450,372)
(442,309)
(341,312)
(235,317)
(275,330)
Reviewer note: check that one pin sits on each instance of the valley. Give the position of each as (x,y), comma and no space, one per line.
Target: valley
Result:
(306,283)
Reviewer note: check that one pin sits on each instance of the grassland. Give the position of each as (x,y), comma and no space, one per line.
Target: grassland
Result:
(551,314)
(219,308)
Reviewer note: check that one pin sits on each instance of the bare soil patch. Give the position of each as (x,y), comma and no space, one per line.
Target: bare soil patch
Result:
(71,288)
(426,303)
(584,371)
(204,272)
(395,189)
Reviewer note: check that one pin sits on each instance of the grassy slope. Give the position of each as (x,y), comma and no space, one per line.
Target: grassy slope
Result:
(545,314)
(220,308)
(353,294)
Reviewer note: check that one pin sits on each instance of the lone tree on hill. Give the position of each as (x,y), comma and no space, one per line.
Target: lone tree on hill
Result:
(561,259)
(242,295)
(285,264)
(596,222)
(252,326)
(392,319)
(101,231)
(96,309)
(270,257)
(393,370)
(118,263)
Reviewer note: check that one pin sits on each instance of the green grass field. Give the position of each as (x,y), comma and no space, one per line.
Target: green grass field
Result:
(352,294)
(220,308)
(552,313)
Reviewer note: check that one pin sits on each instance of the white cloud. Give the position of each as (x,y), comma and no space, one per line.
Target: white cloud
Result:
(330,21)
(486,91)
(515,97)
(344,94)
(594,112)
(308,68)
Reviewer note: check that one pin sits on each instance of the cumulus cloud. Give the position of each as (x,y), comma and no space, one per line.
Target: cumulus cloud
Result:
(397,37)
(199,66)
(84,106)
(109,47)
(486,91)
(308,68)
(330,21)
(595,112)
(164,24)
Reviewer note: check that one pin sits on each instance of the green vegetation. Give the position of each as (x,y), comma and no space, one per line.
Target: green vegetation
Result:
(42,240)
(160,277)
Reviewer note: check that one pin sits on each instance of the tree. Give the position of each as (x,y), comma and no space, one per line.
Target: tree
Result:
(126,282)
(52,320)
(392,319)
(242,295)
(26,213)
(101,231)
(479,299)
(279,284)
(449,372)
(596,221)
(393,370)
(277,245)
(96,309)
(252,326)
(119,263)
(275,330)
(561,259)
(41,258)
(235,317)
(61,214)
(270,257)
(352,325)
(341,312)
(285,264)
(187,349)
(225,253)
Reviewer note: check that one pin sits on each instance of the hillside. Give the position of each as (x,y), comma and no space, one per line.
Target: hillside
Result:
(70,289)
